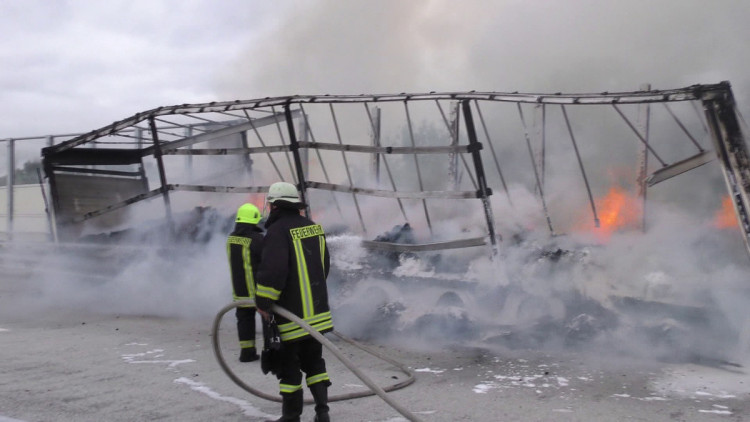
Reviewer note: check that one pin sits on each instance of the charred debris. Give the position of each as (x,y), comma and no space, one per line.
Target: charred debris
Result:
(464,312)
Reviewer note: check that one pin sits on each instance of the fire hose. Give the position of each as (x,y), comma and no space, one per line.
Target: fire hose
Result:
(374,388)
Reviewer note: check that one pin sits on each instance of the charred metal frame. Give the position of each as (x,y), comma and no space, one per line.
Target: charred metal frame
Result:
(643,123)
(242,117)
(731,149)
(484,191)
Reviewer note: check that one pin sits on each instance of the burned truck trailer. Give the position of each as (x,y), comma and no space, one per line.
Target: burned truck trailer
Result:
(461,197)
(353,151)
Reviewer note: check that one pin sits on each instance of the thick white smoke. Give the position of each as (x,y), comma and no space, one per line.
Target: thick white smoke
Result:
(685,277)
(674,292)
(574,46)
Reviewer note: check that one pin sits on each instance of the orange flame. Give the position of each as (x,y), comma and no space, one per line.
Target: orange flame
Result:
(724,217)
(617,210)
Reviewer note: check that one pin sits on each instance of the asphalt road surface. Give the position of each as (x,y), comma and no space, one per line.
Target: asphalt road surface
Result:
(70,364)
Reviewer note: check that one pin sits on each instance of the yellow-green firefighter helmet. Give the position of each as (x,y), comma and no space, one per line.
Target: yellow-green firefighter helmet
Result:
(248,213)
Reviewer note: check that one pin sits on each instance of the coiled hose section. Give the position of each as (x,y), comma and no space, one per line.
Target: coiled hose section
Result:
(375,389)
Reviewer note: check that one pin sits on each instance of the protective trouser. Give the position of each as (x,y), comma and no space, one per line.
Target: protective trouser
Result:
(296,357)
(246,333)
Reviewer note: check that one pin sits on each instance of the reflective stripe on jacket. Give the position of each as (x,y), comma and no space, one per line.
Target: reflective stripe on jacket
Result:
(244,246)
(293,272)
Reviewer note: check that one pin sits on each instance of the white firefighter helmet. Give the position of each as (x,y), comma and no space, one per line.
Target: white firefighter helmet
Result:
(283,191)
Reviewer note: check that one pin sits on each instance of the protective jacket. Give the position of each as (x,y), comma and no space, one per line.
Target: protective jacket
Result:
(293,272)
(244,246)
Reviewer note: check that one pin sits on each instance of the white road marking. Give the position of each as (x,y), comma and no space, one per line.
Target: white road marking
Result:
(247,408)
(4,419)
(156,353)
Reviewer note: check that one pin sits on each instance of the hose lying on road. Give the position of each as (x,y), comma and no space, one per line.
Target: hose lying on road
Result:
(375,389)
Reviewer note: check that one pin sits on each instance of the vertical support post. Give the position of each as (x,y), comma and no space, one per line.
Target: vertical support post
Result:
(139,138)
(732,152)
(452,127)
(11,182)
(48,199)
(346,167)
(294,148)
(47,212)
(536,171)
(387,167)
(416,164)
(288,117)
(484,192)
(580,165)
(188,133)
(304,152)
(247,160)
(375,137)
(308,131)
(54,197)
(453,156)
(638,135)
(643,125)
(162,175)
(139,146)
(540,129)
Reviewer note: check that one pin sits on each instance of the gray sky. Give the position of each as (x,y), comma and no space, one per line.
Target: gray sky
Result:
(76,65)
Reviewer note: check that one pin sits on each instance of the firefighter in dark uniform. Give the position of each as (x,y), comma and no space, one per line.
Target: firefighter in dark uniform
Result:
(293,275)
(244,246)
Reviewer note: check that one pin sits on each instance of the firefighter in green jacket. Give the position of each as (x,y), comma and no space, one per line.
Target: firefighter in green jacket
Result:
(293,274)
(244,246)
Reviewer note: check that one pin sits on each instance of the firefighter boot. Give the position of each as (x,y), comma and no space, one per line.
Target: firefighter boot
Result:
(249,354)
(320,395)
(291,407)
